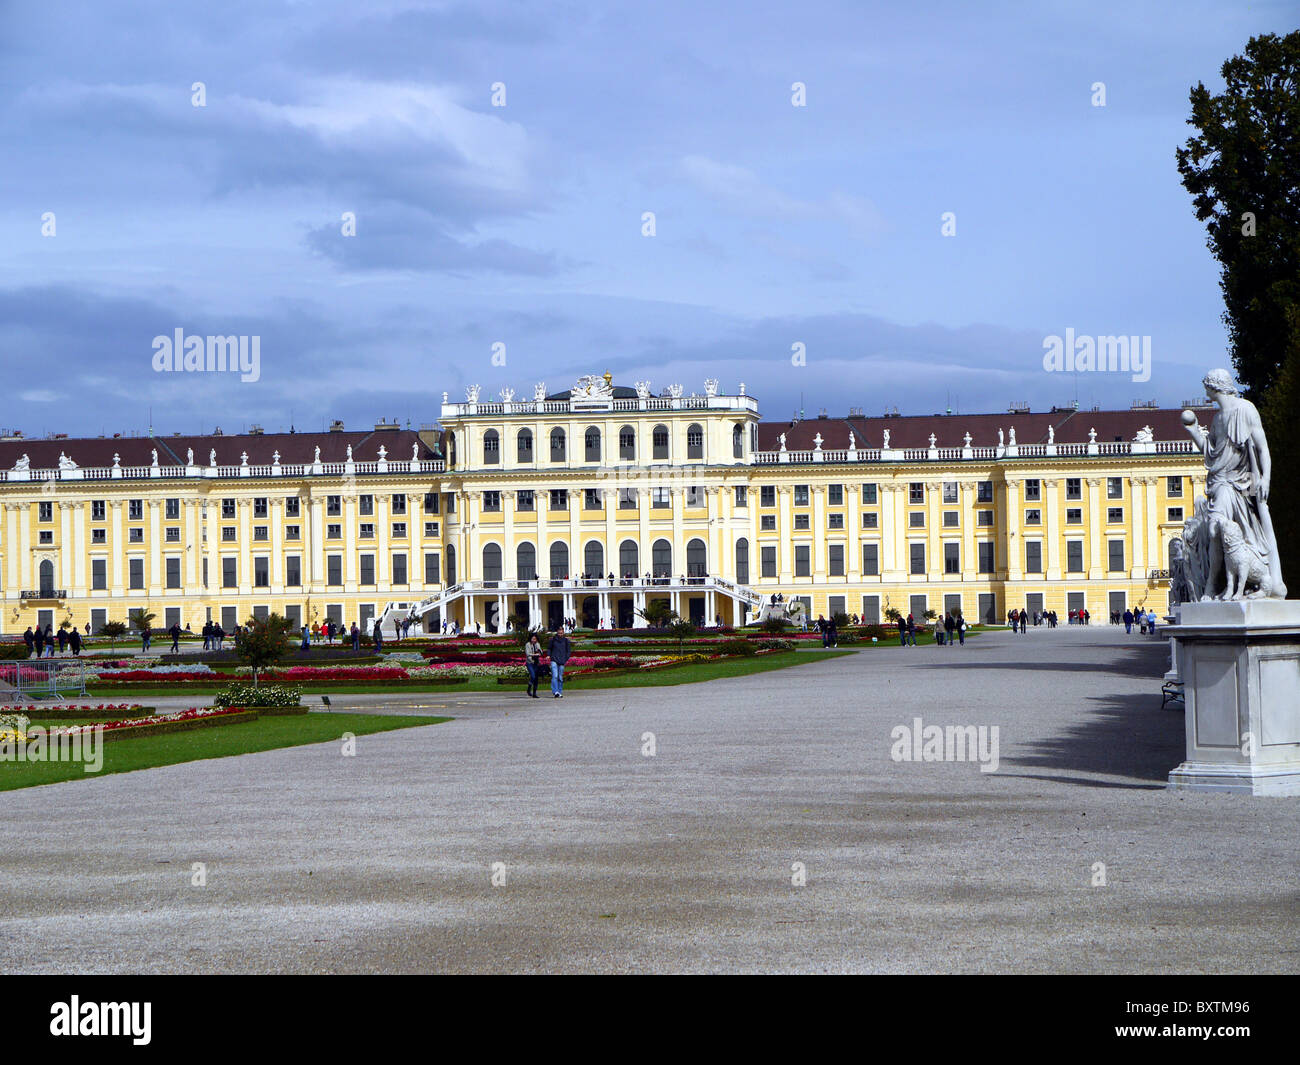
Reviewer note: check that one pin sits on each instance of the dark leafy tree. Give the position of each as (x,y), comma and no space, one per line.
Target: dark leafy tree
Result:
(265,642)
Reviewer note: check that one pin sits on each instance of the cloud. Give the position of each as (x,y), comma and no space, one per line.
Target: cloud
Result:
(39,395)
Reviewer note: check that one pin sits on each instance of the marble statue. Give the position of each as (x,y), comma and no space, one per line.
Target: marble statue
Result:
(415,451)
(643,390)
(212,456)
(966,438)
(817,442)
(710,386)
(349,458)
(885,445)
(853,445)
(66,463)
(154,453)
(1012,438)
(1145,435)
(316,460)
(933,438)
(507,395)
(1234,546)
(1002,442)
(675,391)
(783,441)
(189,457)
(539,391)
(445,397)
(1092,436)
(741,391)
(1051,434)
(24,462)
(471,393)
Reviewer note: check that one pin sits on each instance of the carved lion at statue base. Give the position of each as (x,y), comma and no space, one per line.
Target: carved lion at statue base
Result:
(1243,565)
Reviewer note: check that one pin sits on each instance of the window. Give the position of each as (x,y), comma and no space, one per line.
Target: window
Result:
(334,570)
(451,502)
(871,560)
(293,571)
(261,572)
(292,532)
(629,555)
(99,536)
(430,528)
(229,572)
(292,506)
(172,509)
(1114,515)
(738,442)
(491,448)
(593,558)
(227,507)
(767,522)
(172,534)
(559,499)
(835,521)
(260,532)
(557,445)
(229,533)
(694,442)
(802,560)
(742,496)
(1033,556)
(983,491)
(659,441)
(951,519)
(1175,514)
(951,557)
(135,536)
(917,552)
(869,494)
(559,561)
(333,532)
(916,492)
(835,560)
(399,530)
(333,506)
(767,495)
(950,492)
(870,520)
(1073,556)
(366,531)
(523,501)
(1033,517)
(431,502)
(835,495)
(135,572)
(591,445)
(97,507)
(801,521)
(367,569)
(1073,488)
(1033,490)
(1074,516)
(399,503)
(985,559)
(767,561)
(491,502)
(694,496)
(366,504)
(399,569)
(916,519)
(742,561)
(526,562)
(627,499)
(524,445)
(1115,556)
(627,443)
(99,574)
(1174,487)
(135,509)
(47,536)
(431,567)
(1114,487)
(660,498)
(259,507)
(801,495)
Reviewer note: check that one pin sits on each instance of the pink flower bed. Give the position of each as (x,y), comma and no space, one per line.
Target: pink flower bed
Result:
(158,719)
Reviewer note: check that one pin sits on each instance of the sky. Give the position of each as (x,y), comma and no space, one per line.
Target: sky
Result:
(171,166)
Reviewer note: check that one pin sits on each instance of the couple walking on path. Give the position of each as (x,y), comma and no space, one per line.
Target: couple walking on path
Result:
(557,651)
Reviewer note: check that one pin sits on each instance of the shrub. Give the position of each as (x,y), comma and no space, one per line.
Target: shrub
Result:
(739,647)
(775,625)
(247,695)
(10,651)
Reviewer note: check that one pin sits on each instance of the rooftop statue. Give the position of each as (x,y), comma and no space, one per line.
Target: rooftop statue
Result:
(1230,538)
(24,462)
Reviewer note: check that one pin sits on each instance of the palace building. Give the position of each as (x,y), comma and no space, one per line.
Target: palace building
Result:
(592,502)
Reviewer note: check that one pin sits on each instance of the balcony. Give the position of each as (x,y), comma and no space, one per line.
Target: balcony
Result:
(42,594)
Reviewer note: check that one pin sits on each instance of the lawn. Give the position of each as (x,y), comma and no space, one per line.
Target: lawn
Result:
(218,741)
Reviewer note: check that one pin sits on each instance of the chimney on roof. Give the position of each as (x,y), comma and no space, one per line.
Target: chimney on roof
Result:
(254,430)
(216,431)
(855,412)
(821,414)
(1138,404)
(1018,408)
(336,426)
(384,425)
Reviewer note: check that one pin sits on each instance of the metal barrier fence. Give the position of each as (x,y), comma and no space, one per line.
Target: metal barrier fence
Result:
(40,680)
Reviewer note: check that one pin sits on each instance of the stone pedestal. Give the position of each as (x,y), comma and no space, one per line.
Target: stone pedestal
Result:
(1240,667)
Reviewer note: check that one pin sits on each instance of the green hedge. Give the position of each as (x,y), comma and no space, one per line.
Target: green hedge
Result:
(267,695)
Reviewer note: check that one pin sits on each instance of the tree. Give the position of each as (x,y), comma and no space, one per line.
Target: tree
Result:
(892,614)
(682,628)
(265,642)
(114,630)
(142,617)
(658,614)
(1243,171)
(774,624)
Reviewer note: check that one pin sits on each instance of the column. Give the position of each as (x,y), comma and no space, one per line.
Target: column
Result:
(117,538)
(154,580)
(1052,528)
(68,555)
(275,515)
(819,534)
(785,530)
(245,510)
(1096,571)
(509,571)
(1015,549)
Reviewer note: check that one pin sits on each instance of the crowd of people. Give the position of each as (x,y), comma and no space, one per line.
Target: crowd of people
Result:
(42,641)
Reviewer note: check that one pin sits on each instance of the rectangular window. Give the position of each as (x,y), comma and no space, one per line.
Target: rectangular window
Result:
(399,569)
(431,567)
(173,572)
(627,499)
(626,444)
(801,495)
(660,498)
(1114,515)
(491,502)
(399,530)
(802,560)
(451,503)
(227,508)
(835,495)
(767,522)
(367,569)
(230,572)
(951,519)
(334,570)
(591,499)
(172,509)
(917,553)
(916,492)
(1033,517)
(559,499)
(835,521)
(431,527)
(366,504)
(524,499)
(99,574)
(1175,514)
(293,571)
(694,496)
(291,532)
(871,560)
(333,532)
(1074,516)
(951,557)
(835,560)
(950,492)
(261,532)
(1073,488)
(871,610)
(99,536)
(869,494)
(801,521)
(98,619)
(259,507)
(399,503)
(742,496)
(333,506)
(983,491)
(1073,556)
(1115,556)
(366,531)
(291,507)
(767,495)
(1114,487)
(1033,556)
(172,534)
(97,508)
(985,559)
(261,572)
(871,520)
(768,555)
(1174,487)
(1033,490)
(135,536)
(431,502)
(984,517)
(916,519)
(229,534)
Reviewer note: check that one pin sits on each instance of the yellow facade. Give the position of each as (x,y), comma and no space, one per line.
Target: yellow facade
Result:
(677,487)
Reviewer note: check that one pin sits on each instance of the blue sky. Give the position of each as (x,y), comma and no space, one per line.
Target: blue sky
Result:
(522,224)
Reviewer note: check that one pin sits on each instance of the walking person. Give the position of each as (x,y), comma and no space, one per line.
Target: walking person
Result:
(961,629)
(902,631)
(63,640)
(74,639)
(49,641)
(145,634)
(1128,621)
(29,638)
(378,635)
(39,640)
(305,646)
(175,633)
(356,638)
(558,651)
(533,663)
(949,627)
(911,630)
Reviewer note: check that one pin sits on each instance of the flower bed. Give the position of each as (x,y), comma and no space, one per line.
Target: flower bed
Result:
(157,725)
(62,710)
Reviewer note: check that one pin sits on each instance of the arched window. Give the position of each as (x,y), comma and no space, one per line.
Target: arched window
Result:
(695,442)
(491,562)
(629,558)
(451,450)
(451,564)
(627,443)
(697,558)
(592,442)
(491,448)
(738,441)
(524,444)
(526,562)
(593,559)
(742,561)
(557,445)
(47,579)
(559,561)
(660,439)
(661,558)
